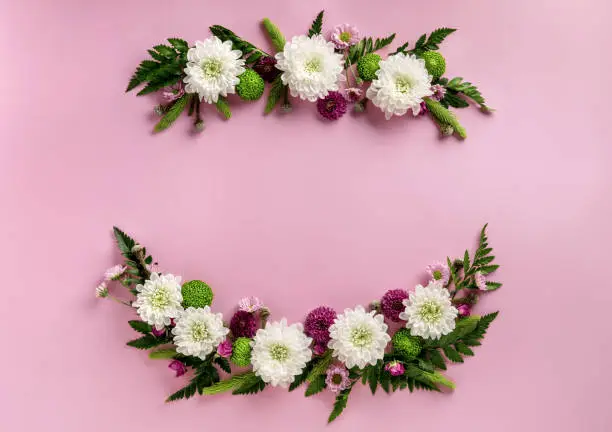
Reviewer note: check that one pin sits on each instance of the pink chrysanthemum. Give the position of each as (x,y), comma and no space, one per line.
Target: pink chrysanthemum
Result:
(224,349)
(178,366)
(250,304)
(114,272)
(344,36)
(353,94)
(481,281)
(172,93)
(317,325)
(438,92)
(464,310)
(438,271)
(243,324)
(337,378)
(391,304)
(395,368)
(332,106)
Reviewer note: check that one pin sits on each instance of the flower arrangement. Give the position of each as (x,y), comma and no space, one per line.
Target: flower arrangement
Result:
(402,341)
(338,71)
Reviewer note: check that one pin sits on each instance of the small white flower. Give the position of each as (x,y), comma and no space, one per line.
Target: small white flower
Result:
(280,352)
(198,332)
(212,69)
(429,312)
(102,290)
(358,338)
(114,272)
(311,67)
(159,299)
(401,84)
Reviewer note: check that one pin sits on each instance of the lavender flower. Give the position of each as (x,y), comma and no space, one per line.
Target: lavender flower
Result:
(250,304)
(224,349)
(344,36)
(395,368)
(391,304)
(481,281)
(353,94)
(178,366)
(337,378)
(332,106)
(438,92)
(243,324)
(114,272)
(317,324)
(438,271)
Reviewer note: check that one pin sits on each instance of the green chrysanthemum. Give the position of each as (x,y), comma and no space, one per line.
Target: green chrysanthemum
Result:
(434,63)
(406,345)
(251,85)
(196,294)
(241,352)
(367,66)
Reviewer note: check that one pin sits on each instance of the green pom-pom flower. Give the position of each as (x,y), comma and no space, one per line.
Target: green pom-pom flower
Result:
(241,352)
(251,85)
(406,345)
(367,66)
(434,63)
(196,294)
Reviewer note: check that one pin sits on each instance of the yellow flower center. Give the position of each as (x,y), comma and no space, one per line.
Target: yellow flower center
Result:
(211,68)
(403,84)
(199,332)
(313,65)
(279,352)
(160,298)
(430,312)
(361,336)
(345,36)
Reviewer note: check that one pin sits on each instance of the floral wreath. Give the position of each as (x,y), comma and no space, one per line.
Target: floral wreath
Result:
(332,72)
(430,325)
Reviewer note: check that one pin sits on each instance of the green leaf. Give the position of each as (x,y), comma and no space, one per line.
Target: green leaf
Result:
(251,385)
(470,91)
(185,393)
(124,242)
(162,354)
(173,113)
(224,108)
(179,44)
(238,43)
(146,342)
(276,37)
(452,354)
(317,385)
(340,404)
(463,349)
(373,376)
(466,261)
(301,378)
(143,73)
(437,36)
(275,94)
(224,364)
(452,99)
(488,269)
(228,384)
(463,327)
(383,42)
(140,326)
(317,25)
(444,116)
(484,260)
(321,366)
(436,359)
(492,286)
(165,51)
(401,48)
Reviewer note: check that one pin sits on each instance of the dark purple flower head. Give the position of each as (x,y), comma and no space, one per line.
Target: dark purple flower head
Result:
(332,106)
(317,325)
(391,304)
(178,366)
(243,324)
(266,68)
(424,109)
(319,348)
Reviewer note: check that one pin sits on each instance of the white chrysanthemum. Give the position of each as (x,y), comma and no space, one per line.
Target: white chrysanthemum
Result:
(311,67)
(280,352)
(401,84)
(212,69)
(358,337)
(159,299)
(429,312)
(198,332)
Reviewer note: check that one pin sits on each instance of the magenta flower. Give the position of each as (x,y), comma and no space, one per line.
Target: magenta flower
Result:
(438,92)
(319,348)
(337,378)
(464,310)
(353,94)
(438,271)
(158,332)
(423,109)
(266,68)
(172,93)
(344,36)
(250,304)
(395,368)
(391,304)
(317,325)
(332,106)
(243,324)
(178,366)
(225,348)
(481,281)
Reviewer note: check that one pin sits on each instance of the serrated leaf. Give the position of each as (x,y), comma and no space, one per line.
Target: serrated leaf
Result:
(492,286)
(179,44)
(274,95)
(124,242)
(383,42)
(146,342)
(437,360)
(163,354)
(224,364)
(488,269)
(184,393)
(223,108)
(173,113)
(165,51)
(340,404)
(484,260)
(463,349)
(251,385)
(228,384)
(140,326)
(317,385)
(401,48)
(438,35)
(321,366)
(452,354)
(317,25)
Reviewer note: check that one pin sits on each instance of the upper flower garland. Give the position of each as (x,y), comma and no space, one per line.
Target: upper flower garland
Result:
(333,72)
(329,351)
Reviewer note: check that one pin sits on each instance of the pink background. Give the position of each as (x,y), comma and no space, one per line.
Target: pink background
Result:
(301,212)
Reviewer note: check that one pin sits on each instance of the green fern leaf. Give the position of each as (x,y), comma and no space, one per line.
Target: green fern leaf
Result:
(317,25)
(275,94)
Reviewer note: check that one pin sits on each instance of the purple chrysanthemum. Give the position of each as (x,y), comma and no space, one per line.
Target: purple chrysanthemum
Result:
(332,106)
(337,378)
(178,366)
(464,310)
(344,36)
(353,94)
(395,368)
(243,324)
(224,349)
(438,92)
(391,304)
(317,324)
(266,68)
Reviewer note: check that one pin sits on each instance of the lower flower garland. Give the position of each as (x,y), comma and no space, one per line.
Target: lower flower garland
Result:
(430,325)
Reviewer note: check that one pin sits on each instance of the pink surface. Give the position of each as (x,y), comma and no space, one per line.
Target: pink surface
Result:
(300,213)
